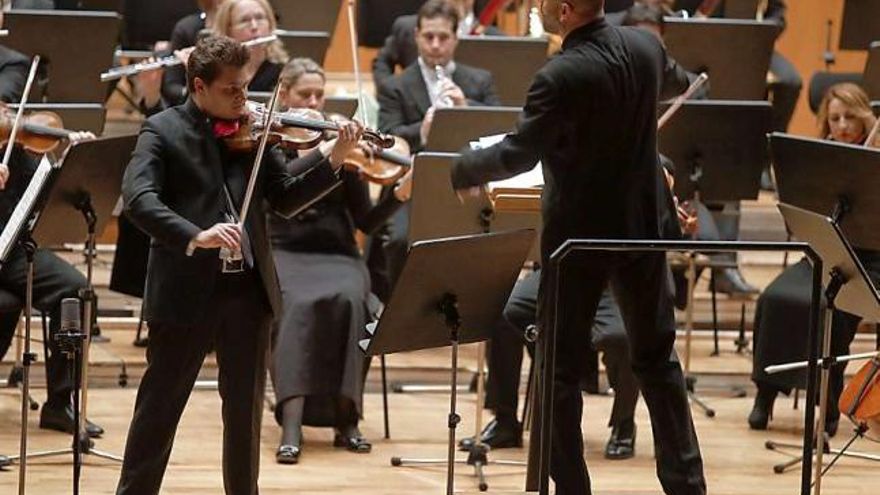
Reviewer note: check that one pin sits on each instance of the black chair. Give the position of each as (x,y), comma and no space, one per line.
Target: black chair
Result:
(821,81)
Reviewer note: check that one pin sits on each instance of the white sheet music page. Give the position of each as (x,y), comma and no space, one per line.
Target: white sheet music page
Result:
(23,209)
(534,178)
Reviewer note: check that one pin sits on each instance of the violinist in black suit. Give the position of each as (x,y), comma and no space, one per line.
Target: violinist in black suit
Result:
(184,188)
(591,118)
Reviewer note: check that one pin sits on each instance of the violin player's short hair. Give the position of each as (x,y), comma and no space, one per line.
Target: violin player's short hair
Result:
(211,54)
(433,9)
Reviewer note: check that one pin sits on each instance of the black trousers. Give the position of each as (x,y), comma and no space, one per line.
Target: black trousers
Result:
(607,335)
(238,328)
(54,280)
(640,284)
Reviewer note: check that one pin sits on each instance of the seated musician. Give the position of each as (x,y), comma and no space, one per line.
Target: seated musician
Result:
(241,20)
(400,49)
(408,100)
(783,312)
(245,20)
(317,368)
(57,279)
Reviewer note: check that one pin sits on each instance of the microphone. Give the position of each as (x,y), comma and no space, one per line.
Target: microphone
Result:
(71,326)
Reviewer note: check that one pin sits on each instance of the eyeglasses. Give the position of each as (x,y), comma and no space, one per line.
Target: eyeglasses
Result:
(247,21)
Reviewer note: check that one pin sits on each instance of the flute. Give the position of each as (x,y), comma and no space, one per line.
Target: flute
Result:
(169,61)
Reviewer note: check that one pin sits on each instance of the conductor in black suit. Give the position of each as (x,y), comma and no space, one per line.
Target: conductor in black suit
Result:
(591,118)
(183,187)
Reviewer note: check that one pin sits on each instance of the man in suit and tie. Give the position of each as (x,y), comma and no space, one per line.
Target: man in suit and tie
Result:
(407,101)
(400,48)
(184,188)
(591,119)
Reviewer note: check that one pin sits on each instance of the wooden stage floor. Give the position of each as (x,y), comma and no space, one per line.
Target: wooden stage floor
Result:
(736,461)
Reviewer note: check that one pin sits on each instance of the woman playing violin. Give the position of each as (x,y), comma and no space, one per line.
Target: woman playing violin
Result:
(317,369)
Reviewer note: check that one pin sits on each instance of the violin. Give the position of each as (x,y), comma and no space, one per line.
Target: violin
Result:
(39,132)
(860,400)
(295,129)
(380,166)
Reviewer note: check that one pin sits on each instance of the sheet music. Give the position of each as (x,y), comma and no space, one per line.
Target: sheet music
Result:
(531,179)
(24,209)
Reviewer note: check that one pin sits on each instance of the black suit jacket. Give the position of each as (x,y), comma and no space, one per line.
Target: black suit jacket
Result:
(591,118)
(404,100)
(173,189)
(400,48)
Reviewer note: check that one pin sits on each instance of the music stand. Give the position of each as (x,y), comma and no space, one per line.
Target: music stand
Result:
(307,15)
(834,179)
(453,128)
(735,53)
(72,66)
(311,44)
(85,187)
(80,116)
(871,74)
(449,295)
(859,27)
(848,287)
(512,60)
(719,149)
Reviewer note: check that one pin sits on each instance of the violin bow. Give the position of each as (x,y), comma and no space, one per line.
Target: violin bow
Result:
(873,134)
(353,37)
(680,99)
(18,114)
(258,160)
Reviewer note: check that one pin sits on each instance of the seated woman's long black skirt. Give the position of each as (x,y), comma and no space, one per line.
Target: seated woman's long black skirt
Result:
(315,345)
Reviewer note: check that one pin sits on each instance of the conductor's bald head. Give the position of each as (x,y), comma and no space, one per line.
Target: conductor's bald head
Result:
(564,16)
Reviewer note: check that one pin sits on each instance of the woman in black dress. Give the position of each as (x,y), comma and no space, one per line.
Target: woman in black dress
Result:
(782,313)
(317,368)
(184,36)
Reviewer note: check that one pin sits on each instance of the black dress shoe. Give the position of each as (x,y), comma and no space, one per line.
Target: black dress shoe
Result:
(61,419)
(288,454)
(730,281)
(762,411)
(622,442)
(832,423)
(496,435)
(4,461)
(356,444)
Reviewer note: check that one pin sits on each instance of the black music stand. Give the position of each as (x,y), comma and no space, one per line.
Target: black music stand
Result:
(859,27)
(84,189)
(512,60)
(735,53)
(80,116)
(871,74)
(719,150)
(311,44)
(834,179)
(307,15)
(73,66)
(848,287)
(454,128)
(447,295)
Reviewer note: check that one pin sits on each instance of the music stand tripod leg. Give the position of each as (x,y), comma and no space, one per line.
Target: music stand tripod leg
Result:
(689,327)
